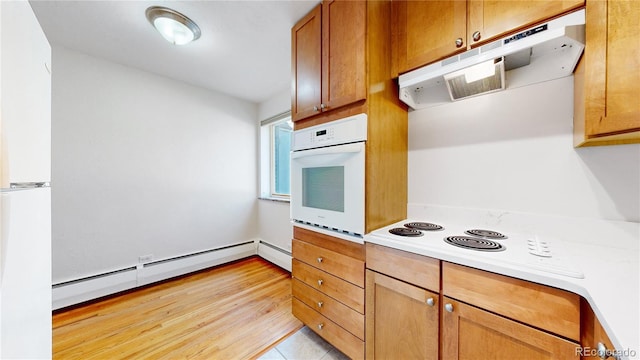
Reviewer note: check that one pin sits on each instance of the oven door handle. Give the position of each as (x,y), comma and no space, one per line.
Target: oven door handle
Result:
(340,149)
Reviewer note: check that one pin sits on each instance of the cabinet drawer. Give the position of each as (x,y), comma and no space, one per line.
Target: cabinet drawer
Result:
(343,291)
(339,313)
(547,308)
(334,334)
(416,269)
(342,266)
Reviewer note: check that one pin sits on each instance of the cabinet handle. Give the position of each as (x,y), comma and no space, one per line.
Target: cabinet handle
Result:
(320,282)
(320,326)
(320,303)
(476,35)
(449,308)
(315,108)
(323,106)
(459,42)
(430,301)
(320,259)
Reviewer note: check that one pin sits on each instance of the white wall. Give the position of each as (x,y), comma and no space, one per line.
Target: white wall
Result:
(274,224)
(513,151)
(143,164)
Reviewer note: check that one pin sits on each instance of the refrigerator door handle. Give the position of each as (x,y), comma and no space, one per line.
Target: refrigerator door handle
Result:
(29,185)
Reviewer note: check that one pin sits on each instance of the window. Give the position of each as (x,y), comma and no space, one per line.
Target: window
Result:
(275,136)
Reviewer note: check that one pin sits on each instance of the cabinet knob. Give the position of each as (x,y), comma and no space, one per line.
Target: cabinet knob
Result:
(323,106)
(320,282)
(448,307)
(320,326)
(315,108)
(476,35)
(459,42)
(604,353)
(430,301)
(320,303)
(320,259)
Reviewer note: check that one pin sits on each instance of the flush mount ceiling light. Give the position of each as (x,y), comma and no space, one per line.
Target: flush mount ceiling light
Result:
(173,26)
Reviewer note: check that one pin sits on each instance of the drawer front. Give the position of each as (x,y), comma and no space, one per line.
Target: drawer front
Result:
(343,291)
(330,331)
(342,266)
(547,308)
(416,269)
(339,313)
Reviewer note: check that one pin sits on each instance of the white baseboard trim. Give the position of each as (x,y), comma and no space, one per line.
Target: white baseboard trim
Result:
(274,254)
(80,290)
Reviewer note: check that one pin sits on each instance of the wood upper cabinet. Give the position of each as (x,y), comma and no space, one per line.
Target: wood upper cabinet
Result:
(469,332)
(306,61)
(490,19)
(427,31)
(607,80)
(328,58)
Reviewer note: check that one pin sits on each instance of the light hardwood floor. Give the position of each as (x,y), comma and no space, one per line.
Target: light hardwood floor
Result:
(235,311)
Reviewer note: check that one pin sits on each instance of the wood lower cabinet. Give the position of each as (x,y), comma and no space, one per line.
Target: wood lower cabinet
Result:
(607,80)
(595,344)
(469,332)
(402,319)
(422,308)
(328,289)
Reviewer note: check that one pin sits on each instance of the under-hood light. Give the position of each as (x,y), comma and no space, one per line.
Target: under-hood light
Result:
(482,78)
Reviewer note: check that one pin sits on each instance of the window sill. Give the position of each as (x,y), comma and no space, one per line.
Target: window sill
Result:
(274,199)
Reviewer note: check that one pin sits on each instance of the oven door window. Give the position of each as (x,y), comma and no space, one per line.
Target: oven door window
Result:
(323,188)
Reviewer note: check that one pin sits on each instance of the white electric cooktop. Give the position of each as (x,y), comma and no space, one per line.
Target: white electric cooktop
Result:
(456,242)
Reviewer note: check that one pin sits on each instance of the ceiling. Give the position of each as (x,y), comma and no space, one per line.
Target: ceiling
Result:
(244,49)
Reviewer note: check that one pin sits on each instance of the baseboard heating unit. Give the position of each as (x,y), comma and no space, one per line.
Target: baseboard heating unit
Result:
(76,291)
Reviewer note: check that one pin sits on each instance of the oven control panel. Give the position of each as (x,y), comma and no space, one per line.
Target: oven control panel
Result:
(343,131)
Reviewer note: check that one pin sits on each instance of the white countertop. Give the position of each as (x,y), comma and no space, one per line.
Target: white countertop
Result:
(603,270)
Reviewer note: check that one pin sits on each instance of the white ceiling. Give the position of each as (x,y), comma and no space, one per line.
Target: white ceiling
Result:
(244,50)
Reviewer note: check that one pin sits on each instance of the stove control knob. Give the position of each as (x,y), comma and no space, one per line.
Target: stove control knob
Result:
(430,301)
(448,307)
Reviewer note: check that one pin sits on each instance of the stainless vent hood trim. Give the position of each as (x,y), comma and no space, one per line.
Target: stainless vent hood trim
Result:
(543,56)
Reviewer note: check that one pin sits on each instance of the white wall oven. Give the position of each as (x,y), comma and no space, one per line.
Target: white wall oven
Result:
(327,176)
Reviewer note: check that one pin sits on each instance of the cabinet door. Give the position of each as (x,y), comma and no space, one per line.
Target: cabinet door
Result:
(612,60)
(472,333)
(493,18)
(401,320)
(343,53)
(426,31)
(306,68)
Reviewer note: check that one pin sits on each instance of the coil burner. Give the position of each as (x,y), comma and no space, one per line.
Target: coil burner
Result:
(487,234)
(474,243)
(406,232)
(423,226)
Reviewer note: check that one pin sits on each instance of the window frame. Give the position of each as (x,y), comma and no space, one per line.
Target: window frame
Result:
(267,157)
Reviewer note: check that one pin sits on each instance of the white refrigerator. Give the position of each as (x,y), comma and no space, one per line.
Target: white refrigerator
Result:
(25,194)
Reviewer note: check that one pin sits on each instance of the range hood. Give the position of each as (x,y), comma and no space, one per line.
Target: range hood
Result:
(541,53)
